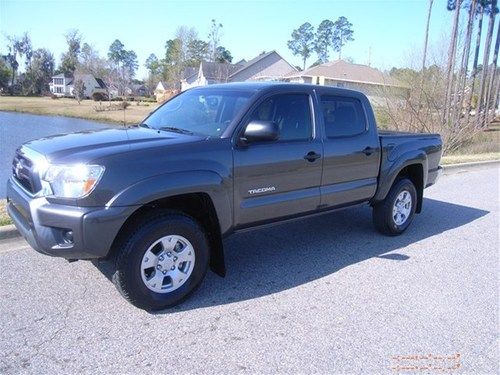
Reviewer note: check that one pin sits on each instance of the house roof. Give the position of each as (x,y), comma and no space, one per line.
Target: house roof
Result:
(262,56)
(211,70)
(341,70)
(101,83)
(62,75)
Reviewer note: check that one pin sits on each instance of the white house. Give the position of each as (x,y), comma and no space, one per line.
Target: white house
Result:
(268,66)
(63,85)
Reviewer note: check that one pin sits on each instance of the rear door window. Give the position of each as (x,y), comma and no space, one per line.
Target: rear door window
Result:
(343,116)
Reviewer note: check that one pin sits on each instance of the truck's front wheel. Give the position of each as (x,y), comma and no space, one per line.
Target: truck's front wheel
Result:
(395,213)
(162,262)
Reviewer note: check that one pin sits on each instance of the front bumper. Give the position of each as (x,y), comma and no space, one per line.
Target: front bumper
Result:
(46,226)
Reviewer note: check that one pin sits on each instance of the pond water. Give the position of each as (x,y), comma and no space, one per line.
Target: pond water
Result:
(17,128)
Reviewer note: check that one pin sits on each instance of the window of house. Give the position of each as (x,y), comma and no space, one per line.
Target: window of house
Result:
(58,81)
(292,113)
(342,116)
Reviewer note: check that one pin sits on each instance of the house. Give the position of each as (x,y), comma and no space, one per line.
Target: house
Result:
(60,85)
(63,85)
(268,66)
(340,73)
(208,73)
(164,91)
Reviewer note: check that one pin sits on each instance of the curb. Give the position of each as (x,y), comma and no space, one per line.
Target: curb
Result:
(474,164)
(8,231)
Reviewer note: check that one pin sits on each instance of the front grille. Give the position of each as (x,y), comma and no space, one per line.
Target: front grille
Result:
(23,171)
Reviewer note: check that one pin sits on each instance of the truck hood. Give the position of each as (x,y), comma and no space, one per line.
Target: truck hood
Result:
(88,145)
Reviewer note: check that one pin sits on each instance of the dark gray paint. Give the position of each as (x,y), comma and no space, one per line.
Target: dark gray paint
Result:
(143,165)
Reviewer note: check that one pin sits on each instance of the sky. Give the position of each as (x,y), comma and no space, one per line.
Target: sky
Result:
(386,33)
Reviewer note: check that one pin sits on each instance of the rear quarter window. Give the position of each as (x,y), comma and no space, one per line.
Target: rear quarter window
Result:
(342,116)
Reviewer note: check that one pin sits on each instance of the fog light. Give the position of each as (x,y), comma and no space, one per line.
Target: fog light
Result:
(67,236)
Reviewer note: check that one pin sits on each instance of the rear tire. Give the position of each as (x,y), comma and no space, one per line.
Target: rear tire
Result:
(162,262)
(394,214)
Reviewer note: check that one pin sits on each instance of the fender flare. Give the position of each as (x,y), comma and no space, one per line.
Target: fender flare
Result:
(389,175)
(177,183)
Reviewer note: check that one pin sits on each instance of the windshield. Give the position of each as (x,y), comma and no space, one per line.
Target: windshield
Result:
(206,112)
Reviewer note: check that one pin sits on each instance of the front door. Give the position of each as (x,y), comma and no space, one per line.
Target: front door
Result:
(281,178)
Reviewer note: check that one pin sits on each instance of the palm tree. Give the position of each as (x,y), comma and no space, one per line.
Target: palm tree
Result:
(484,74)
(452,5)
(480,12)
(462,76)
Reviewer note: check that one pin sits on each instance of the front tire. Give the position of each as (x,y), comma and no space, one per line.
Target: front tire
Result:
(395,213)
(162,262)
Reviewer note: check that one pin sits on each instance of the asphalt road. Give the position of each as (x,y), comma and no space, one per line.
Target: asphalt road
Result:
(18,128)
(324,295)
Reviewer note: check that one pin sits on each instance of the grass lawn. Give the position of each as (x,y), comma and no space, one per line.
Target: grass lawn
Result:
(70,108)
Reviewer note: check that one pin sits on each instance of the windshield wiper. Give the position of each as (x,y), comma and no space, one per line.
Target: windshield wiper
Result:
(176,130)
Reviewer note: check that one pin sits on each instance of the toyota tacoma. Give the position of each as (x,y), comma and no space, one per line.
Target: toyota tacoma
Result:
(158,199)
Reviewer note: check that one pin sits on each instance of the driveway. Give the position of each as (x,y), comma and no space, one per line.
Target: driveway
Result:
(17,128)
(323,295)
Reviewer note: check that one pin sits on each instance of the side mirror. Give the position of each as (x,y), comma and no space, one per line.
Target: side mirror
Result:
(261,131)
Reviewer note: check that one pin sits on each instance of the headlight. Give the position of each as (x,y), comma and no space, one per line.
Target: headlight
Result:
(71,181)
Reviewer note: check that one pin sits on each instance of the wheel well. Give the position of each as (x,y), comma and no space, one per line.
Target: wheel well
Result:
(199,206)
(415,173)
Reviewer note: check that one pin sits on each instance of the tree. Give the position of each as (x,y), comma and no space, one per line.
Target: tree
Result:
(342,33)
(475,67)
(492,96)
(18,46)
(425,48)
(130,63)
(453,5)
(69,59)
(173,63)
(214,38)
(124,64)
(223,55)
(79,90)
(152,64)
(5,73)
(458,98)
(302,42)
(323,40)
(38,75)
(197,52)
(116,52)
(492,10)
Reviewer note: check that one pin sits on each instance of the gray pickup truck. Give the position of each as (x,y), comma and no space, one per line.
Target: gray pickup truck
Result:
(159,198)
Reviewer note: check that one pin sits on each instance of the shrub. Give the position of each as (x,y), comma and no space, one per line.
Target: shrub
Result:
(99,96)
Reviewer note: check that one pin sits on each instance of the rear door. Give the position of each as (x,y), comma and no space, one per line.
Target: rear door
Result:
(351,149)
(282,178)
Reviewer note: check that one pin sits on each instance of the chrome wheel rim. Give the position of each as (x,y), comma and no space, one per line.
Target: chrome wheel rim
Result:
(167,264)
(402,207)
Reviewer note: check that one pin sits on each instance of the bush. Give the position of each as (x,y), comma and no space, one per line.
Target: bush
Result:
(99,97)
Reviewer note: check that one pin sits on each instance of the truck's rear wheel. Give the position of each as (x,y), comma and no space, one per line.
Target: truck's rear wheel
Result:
(162,262)
(395,213)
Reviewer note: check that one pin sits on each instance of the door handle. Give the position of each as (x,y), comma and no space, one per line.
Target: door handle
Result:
(312,156)
(368,151)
